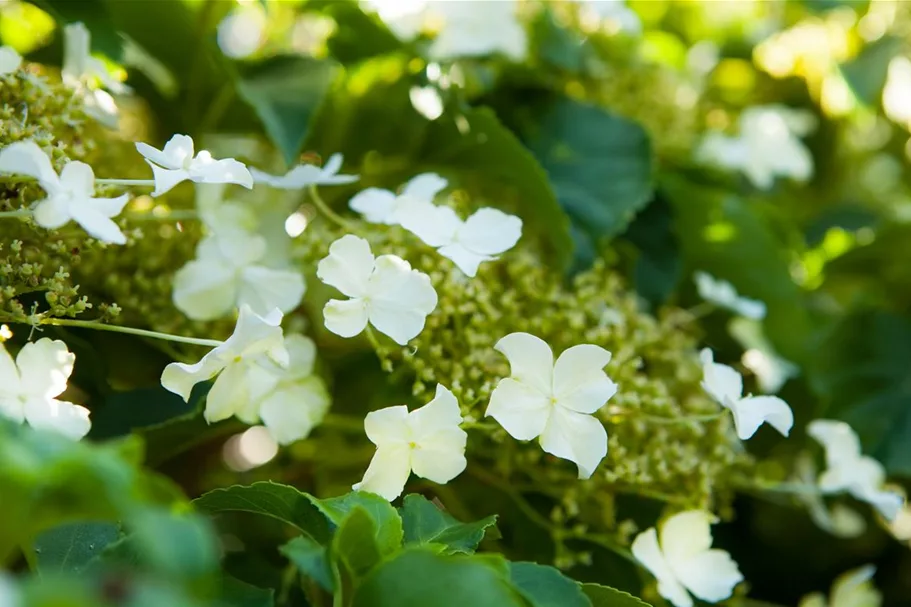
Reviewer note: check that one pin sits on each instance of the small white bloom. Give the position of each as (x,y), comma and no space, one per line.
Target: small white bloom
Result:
(852,589)
(175,163)
(382,206)
(305,175)
(839,520)
(228,273)
(725,385)
(849,470)
(79,67)
(617,13)
(10,60)
(684,563)
(427,441)
(554,401)
(242,365)
(29,388)
(70,195)
(476,29)
(767,146)
(482,237)
(723,294)
(384,291)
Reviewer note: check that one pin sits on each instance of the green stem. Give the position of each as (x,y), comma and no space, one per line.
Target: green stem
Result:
(788,488)
(329,213)
(17,213)
(130,182)
(94,324)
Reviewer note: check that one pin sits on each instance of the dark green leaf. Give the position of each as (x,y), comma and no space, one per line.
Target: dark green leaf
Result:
(557,45)
(280,502)
(69,548)
(235,593)
(311,559)
(658,265)
(544,586)
(866,73)
(358,36)
(425,523)
(184,546)
(604,596)
(123,412)
(386,520)
(419,577)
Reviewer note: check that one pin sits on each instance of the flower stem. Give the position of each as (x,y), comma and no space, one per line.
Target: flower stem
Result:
(17,213)
(790,488)
(134,182)
(94,324)
(329,213)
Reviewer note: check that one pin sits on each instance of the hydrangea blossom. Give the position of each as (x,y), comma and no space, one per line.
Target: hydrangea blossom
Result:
(554,401)
(29,388)
(305,175)
(848,470)
(723,294)
(684,562)
(382,206)
(482,237)
(10,60)
(228,272)
(852,589)
(241,364)
(427,441)
(175,163)
(725,385)
(383,291)
(70,196)
(767,146)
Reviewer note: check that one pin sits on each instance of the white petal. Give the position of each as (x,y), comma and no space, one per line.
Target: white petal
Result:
(256,334)
(387,473)
(229,395)
(577,437)
(522,410)
(750,308)
(265,288)
(887,503)
(44,368)
(442,457)
(425,186)
(180,378)
(375,205)
(722,383)
(400,298)
(302,355)
(109,207)
(837,438)
(205,169)
(52,212)
(490,232)
(78,179)
(10,60)
(465,260)
(388,426)
(348,266)
(205,289)
(58,416)
(531,360)
(12,407)
(345,318)
(26,158)
(96,223)
(290,413)
(76,49)
(9,374)
(753,411)
(710,575)
(580,382)
(166,179)
(436,226)
(646,550)
(261,379)
(686,534)
(175,154)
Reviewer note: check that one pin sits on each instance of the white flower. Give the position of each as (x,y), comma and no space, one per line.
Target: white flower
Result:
(176,163)
(30,386)
(841,520)
(70,195)
(305,175)
(426,441)
(476,29)
(79,67)
(848,470)
(725,385)
(10,60)
(228,273)
(685,563)
(767,146)
(384,291)
(481,237)
(382,206)
(722,293)
(554,401)
(852,589)
(242,365)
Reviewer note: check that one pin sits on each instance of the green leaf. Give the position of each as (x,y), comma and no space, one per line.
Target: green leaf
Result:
(605,596)
(311,559)
(658,266)
(124,412)
(177,545)
(68,548)
(387,523)
(425,523)
(544,586)
(285,92)
(418,577)
(358,36)
(866,73)
(355,543)
(235,593)
(274,500)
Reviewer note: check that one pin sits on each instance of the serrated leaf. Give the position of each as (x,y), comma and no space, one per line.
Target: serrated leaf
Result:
(355,544)
(605,596)
(386,520)
(544,586)
(311,559)
(425,523)
(69,548)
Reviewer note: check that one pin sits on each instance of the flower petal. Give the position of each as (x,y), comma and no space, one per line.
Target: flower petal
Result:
(465,260)
(646,550)
(753,411)
(686,534)
(490,232)
(345,318)
(256,334)
(887,503)
(205,289)
(290,413)
(722,383)
(522,410)
(10,383)
(442,458)
(302,355)
(440,413)
(178,149)
(12,407)
(580,382)
(388,426)
(577,437)
(837,438)
(44,367)
(375,205)
(58,416)
(96,223)
(424,186)
(435,226)
(229,394)
(205,169)
(78,179)
(531,360)
(710,575)
(348,266)
(10,60)
(180,378)
(387,473)
(264,288)
(400,299)
(52,212)
(26,158)
(166,179)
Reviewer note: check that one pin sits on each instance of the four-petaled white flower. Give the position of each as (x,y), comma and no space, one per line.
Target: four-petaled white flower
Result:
(305,175)
(427,441)
(382,206)
(482,237)
(851,589)
(29,388)
(228,272)
(554,401)
(725,385)
(767,146)
(847,469)
(384,291)
(10,60)
(175,163)
(722,293)
(71,195)
(684,563)
(242,365)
